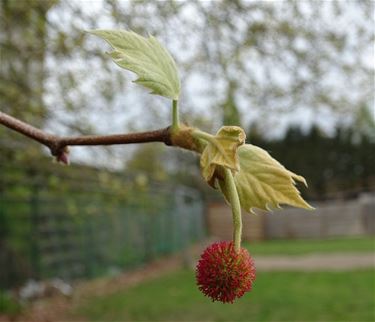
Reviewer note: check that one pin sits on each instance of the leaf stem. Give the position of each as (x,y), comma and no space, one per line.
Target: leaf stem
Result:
(198,134)
(236,209)
(175,116)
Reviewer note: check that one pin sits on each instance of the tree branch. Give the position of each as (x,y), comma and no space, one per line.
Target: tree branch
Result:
(58,144)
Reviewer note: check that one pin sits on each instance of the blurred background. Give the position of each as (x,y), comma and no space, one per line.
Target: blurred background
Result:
(298,76)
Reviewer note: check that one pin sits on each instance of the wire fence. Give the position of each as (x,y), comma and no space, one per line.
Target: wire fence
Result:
(89,223)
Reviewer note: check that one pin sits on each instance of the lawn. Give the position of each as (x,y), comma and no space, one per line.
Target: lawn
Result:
(300,247)
(277,296)
(8,305)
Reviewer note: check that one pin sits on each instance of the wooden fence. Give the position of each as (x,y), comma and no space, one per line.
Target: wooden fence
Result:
(330,219)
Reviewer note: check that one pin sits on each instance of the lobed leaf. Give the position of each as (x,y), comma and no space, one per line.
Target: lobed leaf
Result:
(154,66)
(263,182)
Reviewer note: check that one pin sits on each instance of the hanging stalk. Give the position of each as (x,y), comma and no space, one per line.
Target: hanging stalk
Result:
(236,209)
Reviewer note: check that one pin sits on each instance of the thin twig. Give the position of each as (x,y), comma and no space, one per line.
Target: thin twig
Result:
(57,144)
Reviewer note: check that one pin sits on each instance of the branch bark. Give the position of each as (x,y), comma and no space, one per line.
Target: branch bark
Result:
(58,144)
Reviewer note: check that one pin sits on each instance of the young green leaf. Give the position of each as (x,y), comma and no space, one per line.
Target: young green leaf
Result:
(154,66)
(221,150)
(263,182)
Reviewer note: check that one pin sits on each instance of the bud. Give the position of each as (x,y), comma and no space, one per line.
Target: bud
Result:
(63,156)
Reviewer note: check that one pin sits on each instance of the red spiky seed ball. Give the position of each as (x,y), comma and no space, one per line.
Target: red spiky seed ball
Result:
(223,274)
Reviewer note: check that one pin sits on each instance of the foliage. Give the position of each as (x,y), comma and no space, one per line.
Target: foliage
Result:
(154,66)
(264,183)
(156,70)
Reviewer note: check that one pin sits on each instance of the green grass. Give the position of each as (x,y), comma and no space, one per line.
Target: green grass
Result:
(8,305)
(277,296)
(300,247)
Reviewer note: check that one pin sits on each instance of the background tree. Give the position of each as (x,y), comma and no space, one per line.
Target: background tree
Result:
(22,69)
(339,166)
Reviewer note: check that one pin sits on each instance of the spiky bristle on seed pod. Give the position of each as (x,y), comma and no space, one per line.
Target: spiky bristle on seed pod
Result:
(223,274)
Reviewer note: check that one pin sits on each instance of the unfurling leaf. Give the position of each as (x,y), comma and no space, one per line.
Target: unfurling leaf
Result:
(263,182)
(222,151)
(154,66)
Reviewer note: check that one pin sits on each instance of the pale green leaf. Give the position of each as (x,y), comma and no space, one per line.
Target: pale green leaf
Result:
(263,182)
(222,151)
(154,66)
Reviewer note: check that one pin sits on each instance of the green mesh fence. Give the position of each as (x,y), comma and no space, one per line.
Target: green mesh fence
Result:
(82,223)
